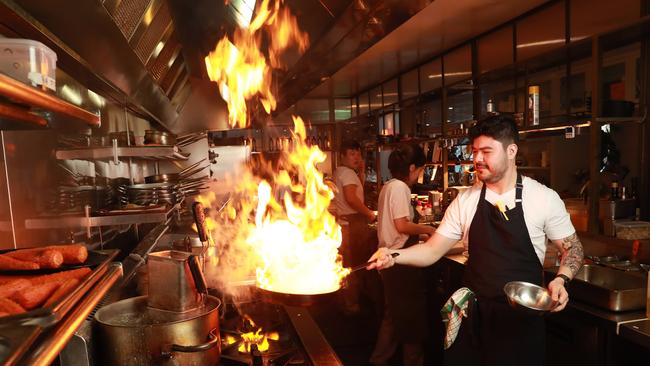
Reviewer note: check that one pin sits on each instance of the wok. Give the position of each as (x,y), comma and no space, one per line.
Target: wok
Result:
(289,299)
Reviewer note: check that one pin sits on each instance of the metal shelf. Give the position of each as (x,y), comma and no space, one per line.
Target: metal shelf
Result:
(140,152)
(95,221)
(21,93)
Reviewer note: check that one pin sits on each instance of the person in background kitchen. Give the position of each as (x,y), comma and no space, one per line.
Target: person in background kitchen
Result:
(404,321)
(353,216)
(506,220)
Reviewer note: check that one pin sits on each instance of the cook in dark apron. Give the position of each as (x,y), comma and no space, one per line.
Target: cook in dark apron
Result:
(359,243)
(405,302)
(500,251)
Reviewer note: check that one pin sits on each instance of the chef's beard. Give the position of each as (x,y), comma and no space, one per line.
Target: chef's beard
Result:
(491,174)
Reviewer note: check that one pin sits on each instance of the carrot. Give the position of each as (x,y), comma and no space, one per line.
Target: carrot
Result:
(72,253)
(35,295)
(10,307)
(2,313)
(50,259)
(10,288)
(46,258)
(61,277)
(65,288)
(8,263)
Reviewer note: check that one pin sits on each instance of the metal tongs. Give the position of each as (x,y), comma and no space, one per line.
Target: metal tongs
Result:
(365,265)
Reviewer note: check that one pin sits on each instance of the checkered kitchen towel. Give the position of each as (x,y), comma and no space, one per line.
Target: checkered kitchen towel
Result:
(453,312)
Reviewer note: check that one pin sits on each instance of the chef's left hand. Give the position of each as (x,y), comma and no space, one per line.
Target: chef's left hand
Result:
(558,293)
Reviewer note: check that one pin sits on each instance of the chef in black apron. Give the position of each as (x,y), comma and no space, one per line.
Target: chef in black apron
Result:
(500,250)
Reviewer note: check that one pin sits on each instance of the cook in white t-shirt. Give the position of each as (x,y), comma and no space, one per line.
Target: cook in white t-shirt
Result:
(544,212)
(394,203)
(345,176)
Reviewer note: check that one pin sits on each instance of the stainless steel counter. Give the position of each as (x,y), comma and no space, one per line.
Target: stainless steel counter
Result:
(638,332)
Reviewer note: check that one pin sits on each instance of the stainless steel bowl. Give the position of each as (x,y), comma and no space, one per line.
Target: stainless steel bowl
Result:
(529,297)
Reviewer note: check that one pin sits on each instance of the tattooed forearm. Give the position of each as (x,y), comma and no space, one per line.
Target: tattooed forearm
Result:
(573,254)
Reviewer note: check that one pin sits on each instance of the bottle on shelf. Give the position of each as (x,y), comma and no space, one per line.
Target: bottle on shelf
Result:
(328,141)
(253,144)
(490,107)
(271,146)
(533,105)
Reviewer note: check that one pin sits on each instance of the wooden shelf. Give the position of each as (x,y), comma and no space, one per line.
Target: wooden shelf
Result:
(23,94)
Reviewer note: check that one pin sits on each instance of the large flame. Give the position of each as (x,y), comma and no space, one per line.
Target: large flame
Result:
(298,243)
(242,70)
(276,226)
(282,231)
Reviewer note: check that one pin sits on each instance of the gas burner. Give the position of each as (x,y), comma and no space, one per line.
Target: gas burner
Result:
(265,334)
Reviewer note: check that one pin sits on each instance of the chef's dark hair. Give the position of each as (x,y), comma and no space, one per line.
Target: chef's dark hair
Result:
(349,145)
(402,157)
(500,127)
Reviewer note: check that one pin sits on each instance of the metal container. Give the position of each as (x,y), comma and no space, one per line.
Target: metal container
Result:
(607,288)
(159,138)
(171,283)
(131,333)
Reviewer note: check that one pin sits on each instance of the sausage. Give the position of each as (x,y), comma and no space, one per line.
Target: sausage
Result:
(65,288)
(61,277)
(10,307)
(10,264)
(46,258)
(72,253)
(35,295)
(10,288)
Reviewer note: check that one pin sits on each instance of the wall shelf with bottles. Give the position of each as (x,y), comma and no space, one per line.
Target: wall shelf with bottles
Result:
(452,163)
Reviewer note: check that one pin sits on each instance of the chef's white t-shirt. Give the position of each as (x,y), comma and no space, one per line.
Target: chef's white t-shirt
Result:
(344,176)
(394,203)
(544,213)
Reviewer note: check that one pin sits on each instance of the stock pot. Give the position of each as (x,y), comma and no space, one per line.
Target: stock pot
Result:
(130,333)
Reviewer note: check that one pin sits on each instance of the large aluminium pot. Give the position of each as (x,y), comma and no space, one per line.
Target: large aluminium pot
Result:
(130,333)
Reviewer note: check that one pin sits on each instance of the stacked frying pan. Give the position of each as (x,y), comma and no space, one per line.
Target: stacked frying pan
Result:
(168,188)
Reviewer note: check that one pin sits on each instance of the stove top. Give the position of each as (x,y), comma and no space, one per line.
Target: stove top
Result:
(281,336)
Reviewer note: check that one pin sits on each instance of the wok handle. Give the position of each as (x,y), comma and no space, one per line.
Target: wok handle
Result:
(197,274)
(365,265)
(199,219)
(213,340)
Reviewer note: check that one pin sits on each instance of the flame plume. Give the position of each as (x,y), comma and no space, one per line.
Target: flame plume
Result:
(242,71)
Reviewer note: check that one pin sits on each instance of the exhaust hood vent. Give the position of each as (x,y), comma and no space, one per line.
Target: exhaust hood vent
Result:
(160,64)
(151,43)
(128,14)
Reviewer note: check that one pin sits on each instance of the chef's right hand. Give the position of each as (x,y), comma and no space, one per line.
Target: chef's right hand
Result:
(382,259)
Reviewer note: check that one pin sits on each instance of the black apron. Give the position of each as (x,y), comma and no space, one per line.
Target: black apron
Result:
(500,251)
(361,242)
(405,295)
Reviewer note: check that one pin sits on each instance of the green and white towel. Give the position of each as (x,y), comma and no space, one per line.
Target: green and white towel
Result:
(453,311)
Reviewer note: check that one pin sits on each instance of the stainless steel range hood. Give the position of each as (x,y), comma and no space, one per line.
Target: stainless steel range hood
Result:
(148,54)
